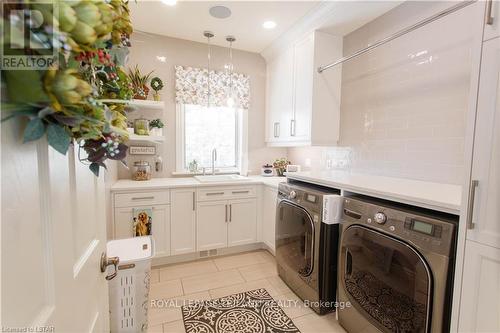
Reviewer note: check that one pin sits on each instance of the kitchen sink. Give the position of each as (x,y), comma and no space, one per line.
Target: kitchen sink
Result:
(220,178)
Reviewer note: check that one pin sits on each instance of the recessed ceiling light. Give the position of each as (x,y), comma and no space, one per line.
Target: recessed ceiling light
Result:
(220,12)
(269,25)
(169,2)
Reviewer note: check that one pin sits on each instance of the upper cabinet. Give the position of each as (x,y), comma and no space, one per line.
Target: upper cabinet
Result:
(303,106)
(492,19)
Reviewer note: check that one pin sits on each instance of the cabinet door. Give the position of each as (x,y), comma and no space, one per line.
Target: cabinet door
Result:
(492,26)
(269,216)
(183,221)
(486,158)
(300,126)
(242,226)
(480,301)
(273,103)
(211,226)
(160,230)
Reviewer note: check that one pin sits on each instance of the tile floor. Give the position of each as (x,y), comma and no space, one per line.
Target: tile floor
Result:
(213,278)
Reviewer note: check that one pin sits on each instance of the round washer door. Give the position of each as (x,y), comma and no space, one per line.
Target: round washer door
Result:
(386,280)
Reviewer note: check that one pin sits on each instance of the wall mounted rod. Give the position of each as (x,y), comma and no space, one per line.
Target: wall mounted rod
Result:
(400,33)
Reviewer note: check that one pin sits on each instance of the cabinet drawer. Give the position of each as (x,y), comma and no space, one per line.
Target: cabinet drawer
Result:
(226,192)
(142,199)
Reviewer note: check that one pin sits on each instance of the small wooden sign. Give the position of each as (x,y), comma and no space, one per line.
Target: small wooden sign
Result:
(142,150)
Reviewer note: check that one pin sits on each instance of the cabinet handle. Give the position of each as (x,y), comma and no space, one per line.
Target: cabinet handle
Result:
(230,212)
(276,129)
(143,198)
(225,208)
(194,201)
(292,127)
(215,193)
(470,206)
(241,192)
(489,16)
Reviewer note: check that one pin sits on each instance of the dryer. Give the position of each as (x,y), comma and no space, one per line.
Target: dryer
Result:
(395,267)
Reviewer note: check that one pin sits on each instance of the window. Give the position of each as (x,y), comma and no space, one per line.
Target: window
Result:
(201,130)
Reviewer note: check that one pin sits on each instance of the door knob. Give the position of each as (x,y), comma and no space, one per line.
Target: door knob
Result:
(105,262)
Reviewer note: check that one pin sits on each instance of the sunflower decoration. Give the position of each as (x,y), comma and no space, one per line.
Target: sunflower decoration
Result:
(63,101)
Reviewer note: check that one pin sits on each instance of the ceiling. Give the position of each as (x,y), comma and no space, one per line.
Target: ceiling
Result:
(188,20)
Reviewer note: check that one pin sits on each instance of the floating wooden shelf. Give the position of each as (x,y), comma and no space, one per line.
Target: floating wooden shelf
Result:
(146,138)
(139,103)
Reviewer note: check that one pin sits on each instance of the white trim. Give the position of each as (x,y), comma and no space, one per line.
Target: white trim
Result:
(179,138)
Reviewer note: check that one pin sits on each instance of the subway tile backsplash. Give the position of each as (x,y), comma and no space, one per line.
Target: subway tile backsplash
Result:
(404,104)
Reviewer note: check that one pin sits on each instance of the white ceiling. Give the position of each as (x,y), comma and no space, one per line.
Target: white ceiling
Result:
(188,20)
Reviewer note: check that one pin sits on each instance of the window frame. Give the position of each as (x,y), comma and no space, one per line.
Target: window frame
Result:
(180,153)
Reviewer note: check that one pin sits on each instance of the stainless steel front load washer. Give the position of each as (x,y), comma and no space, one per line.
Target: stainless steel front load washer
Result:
(395,267)
(307,233)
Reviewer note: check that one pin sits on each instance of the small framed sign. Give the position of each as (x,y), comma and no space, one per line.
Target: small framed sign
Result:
(142,150)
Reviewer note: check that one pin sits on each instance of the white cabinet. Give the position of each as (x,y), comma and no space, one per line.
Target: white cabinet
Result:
(211,231)
(242,222)
(230,222)
(183,221)
(160,230)
(303,106)
(269,216)
(480,302)
(486,156)
(492,20)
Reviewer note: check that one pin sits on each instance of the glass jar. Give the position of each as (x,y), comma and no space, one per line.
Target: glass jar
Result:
(141,171)
(141,126)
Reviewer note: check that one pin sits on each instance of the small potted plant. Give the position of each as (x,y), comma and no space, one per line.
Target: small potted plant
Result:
(280,166)
(157,85)
(156,127)
(139,82)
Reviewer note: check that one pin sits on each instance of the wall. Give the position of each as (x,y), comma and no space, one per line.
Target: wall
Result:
(147,50)
(404,104)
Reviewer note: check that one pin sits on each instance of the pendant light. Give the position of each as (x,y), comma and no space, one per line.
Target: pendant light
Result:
(208,35)
(230,67)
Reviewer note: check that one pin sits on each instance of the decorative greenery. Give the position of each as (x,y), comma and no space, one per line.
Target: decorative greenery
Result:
(63,102)
(139,82)
(156,123)
(280,165)
(156,84)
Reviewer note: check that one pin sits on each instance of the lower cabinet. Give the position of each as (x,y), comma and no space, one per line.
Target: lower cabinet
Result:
(211,231)
(242,222)
(123,226)
(270,196)
(480,301)
(183,221)
(226,223)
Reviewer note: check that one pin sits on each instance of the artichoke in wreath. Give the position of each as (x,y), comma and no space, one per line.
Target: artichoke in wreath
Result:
(65,87)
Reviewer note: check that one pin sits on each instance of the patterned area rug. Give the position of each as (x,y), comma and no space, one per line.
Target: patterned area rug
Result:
(249,312)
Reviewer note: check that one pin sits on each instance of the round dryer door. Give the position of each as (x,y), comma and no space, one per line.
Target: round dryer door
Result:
(386,280)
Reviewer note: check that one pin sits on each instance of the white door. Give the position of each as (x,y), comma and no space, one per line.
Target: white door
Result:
(486,158)
(273,105)
(303,89)
(269,216)
(53,234)
(480,302)
(160,229)
(183,221)
(211,225)
(242,226)
(492,26)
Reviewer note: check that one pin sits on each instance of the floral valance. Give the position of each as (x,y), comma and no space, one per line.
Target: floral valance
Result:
(192,88)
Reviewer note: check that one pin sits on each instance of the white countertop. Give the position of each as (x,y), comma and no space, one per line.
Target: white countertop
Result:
(163,183)
(437,196)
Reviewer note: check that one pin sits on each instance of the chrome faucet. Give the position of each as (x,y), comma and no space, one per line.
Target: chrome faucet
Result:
(214,158)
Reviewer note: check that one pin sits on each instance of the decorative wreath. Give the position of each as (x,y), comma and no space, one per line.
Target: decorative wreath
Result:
(156,84)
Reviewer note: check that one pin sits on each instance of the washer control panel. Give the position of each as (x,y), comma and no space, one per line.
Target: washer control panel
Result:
(423,230)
